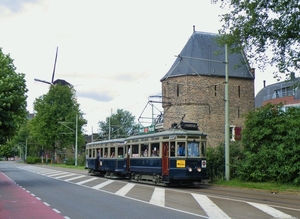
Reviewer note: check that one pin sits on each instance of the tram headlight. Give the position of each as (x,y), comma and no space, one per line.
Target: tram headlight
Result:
(190,169)
(198,169)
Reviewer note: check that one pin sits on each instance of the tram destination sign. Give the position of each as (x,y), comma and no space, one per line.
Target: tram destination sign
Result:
(147,130)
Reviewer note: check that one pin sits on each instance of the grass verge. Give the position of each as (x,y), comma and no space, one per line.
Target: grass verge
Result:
(271,186)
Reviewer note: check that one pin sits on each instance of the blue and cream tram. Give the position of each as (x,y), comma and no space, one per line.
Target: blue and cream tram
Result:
(106,157)
(175,156)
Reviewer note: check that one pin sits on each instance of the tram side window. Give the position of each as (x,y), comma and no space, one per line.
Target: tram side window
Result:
(105,152)
(144,150)
(203,149)
(94,152)
(112,152)
(172,151)
(120,152)
(193,149)
(135,150)
(90,152)
(154,149)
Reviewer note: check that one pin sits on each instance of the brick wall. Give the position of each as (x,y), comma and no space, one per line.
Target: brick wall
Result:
(201,99)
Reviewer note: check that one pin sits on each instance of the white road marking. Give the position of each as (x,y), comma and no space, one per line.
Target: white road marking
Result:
(48,172)
(71,174)
(271,211)
(99,186)
(57,211)
(125,189)
(87,180)
(211,209)
(57,174)
(158,197)
(77,177)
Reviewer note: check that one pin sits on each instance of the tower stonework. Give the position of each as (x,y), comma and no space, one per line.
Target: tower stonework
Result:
(193,90)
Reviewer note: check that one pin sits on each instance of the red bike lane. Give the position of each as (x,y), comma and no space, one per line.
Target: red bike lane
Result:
(16,203)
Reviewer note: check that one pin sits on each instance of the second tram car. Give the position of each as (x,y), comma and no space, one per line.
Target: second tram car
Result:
(175,156)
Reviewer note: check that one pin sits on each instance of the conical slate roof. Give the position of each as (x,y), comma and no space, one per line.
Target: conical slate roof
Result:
(202,45)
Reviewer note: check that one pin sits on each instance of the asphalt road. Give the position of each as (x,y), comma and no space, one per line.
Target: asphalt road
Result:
(75,194)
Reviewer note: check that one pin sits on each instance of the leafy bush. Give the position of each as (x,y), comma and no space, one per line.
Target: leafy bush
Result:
(271,142)
(30,160)
(34,160)
(81,161)
(216,160)
(70,160)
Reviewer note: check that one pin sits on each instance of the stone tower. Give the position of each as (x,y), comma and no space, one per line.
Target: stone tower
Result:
(193,90)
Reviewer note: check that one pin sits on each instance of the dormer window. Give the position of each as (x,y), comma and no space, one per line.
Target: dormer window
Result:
(283,92)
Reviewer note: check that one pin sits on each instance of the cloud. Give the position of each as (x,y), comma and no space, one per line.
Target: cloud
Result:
(94,95)
(14,6)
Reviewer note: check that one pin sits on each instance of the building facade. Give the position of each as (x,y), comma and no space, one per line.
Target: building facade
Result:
(193,90)
(285,92)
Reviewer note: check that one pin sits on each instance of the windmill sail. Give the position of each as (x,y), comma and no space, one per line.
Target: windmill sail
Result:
(58,81)
(54,65)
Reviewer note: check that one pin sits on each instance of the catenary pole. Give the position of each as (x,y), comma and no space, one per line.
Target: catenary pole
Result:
(76,141)
(227,157)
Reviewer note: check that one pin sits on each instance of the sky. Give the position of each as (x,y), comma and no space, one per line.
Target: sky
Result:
(113,52)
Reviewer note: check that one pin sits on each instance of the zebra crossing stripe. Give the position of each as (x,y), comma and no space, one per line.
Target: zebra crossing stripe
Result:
(87,180)
(57,174)
(99,186)
(158,197)
(77,177)
(271,211)
(47,172)
(71,174)
(123,191)
(211,209)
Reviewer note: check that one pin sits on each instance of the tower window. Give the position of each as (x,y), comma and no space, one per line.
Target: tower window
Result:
(215,90)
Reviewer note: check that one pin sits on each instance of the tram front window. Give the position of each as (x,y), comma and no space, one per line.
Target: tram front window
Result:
(193,149)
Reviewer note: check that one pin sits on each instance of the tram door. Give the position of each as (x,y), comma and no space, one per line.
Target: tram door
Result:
(165,158)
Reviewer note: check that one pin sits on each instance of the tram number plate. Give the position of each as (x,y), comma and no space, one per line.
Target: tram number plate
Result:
(180,163)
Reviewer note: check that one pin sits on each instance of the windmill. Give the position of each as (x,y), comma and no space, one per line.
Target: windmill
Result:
(58,81)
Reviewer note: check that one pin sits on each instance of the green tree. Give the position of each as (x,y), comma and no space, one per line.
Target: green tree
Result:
(54,123)
(121,125)
(8,150)
(268,31)
(12,98)
(271,144)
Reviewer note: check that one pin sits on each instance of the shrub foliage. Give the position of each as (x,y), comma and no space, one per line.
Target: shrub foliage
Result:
(269,151)
(271,143)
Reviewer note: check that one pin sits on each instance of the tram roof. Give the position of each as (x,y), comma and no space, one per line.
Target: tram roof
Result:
(120,140)
(168,133)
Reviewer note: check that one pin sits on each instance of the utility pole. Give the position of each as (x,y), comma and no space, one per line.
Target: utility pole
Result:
(76,136)
(26,150)
(76,145)
(227,157)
